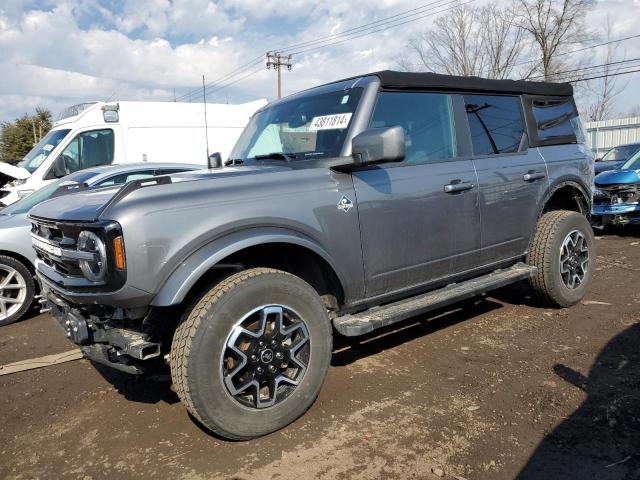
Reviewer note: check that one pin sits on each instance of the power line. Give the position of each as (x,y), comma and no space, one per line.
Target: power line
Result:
(386,27)
(392,21)
(359,28)
(579,69)
(245,66)
(581,49)
(603,76)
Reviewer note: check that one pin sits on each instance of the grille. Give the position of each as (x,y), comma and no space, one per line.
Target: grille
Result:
(60,236)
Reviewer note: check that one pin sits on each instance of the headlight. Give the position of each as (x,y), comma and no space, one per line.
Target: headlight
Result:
(93,270)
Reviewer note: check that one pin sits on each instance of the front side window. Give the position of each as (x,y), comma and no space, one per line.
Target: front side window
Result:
(42,150)
(427,121)
(123,178)
(495,123)
(302,128)
(89,149)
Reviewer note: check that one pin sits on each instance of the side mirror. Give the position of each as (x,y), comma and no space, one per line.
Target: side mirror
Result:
(599,159)
(59,167)
(214,160)
(377,145)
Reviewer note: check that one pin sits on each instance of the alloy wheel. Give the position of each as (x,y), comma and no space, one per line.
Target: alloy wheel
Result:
(13,291)
(265,356)
(574,259)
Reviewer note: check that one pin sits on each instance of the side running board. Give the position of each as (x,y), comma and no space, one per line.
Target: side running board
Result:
(378,317)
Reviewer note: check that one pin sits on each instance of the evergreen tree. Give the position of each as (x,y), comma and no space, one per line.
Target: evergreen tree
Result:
(19,136)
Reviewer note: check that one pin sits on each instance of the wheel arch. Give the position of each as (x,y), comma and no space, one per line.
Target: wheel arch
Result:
(263,247)
(567,194)
(21,258)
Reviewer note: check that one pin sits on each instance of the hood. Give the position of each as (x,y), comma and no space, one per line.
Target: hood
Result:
(12,221)
(88,205)
(14,171)
(617,177)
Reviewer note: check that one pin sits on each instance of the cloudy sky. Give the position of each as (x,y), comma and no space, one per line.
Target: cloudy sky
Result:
(56,53)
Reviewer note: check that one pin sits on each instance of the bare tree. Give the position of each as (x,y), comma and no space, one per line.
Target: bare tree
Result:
(467,41)
(604,91)
(452,46)
(553,25)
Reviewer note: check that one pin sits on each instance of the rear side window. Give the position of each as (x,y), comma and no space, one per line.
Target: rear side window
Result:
(427,121)
(555,118)
(495,123)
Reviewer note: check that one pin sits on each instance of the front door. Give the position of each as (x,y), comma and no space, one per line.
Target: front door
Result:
(419,219)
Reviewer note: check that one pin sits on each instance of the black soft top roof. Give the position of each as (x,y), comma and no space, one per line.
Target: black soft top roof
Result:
(435,81)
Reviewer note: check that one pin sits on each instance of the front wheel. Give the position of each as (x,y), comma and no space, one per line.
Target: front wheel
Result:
(252,354)
(563,250)
(17,289)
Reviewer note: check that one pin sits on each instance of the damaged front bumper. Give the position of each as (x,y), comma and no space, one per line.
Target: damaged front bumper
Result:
(109,341)
(615,213)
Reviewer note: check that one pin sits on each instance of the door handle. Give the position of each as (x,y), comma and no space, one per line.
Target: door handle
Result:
(532,176)
(458,186)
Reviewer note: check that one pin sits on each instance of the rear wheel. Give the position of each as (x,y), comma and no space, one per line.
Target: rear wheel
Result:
(17,289)
(563,251)
(251,355)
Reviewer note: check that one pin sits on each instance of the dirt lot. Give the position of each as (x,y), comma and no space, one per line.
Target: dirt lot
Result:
(495,389)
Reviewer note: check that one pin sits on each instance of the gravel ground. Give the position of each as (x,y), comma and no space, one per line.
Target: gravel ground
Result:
(498,388)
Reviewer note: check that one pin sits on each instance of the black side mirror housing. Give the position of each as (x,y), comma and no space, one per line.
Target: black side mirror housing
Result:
(378,145)
(59,167)
(214,160)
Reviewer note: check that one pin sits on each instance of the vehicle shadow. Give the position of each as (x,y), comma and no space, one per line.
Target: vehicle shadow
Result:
(142,389)
(601,439)
(347,350)
(618,231)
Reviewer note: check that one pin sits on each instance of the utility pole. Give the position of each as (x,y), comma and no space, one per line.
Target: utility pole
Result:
(277,61)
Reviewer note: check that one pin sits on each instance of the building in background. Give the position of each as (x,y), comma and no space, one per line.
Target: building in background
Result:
(605,134)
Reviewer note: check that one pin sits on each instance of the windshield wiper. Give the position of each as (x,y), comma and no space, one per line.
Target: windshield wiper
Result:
(233,161)
(276,156)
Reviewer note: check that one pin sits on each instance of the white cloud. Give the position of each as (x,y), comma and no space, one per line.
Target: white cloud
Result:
(76,50)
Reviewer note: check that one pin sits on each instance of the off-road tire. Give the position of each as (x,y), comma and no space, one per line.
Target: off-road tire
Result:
(30,285)
(200,339)
(544,253)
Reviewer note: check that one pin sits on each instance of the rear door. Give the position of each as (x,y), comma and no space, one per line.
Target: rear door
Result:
(512,177)
(419,218)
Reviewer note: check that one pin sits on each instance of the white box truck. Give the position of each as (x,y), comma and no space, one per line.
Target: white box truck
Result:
(102,133)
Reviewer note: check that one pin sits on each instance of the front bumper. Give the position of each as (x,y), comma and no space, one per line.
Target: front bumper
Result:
(106,341)
(616,213)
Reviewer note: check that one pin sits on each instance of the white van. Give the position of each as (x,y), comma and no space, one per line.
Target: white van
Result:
(99,133)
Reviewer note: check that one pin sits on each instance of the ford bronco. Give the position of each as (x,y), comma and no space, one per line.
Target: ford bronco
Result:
(341,210)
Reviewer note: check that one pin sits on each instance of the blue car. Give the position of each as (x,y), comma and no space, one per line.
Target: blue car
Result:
(616,157)
(616,197)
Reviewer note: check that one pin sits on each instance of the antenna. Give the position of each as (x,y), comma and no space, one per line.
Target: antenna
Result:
(206,125)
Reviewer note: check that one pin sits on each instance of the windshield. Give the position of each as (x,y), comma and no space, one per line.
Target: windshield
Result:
(633,163)
(304,128)
(618,154)
(25,204)
(41,151)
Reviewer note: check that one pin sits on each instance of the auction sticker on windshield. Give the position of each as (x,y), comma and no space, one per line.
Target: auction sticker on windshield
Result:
(328,122)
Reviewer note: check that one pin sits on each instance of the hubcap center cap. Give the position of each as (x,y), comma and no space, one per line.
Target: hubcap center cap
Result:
(266,356)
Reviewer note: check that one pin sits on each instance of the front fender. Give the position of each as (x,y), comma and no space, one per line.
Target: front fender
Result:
(188,272)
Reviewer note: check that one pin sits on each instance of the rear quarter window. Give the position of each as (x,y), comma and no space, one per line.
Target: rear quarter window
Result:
(555,120)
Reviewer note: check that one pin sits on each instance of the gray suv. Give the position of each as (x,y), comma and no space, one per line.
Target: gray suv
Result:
(343,209)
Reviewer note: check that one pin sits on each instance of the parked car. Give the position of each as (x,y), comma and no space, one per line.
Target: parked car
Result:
(17,257)
(616,157)
(104,133)
(617,195)
(348,207)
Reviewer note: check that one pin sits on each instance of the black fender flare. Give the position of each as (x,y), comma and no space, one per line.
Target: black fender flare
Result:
(559,183)
(189,271)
